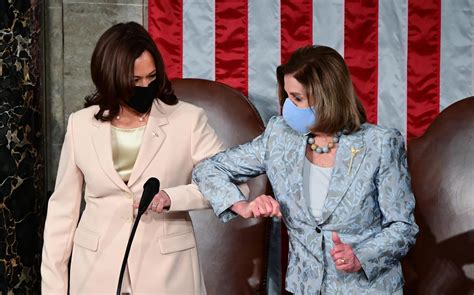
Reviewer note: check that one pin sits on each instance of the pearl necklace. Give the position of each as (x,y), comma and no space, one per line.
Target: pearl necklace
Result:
(322,149)
(141,119)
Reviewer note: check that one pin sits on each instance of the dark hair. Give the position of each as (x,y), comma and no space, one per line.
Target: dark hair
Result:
(112,67)
(324,75)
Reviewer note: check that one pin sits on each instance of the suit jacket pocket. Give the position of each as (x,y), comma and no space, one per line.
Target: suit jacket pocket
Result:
(86,239)
(177,243)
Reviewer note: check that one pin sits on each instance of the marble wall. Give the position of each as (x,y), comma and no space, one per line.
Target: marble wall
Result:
(72,29)
(22,194)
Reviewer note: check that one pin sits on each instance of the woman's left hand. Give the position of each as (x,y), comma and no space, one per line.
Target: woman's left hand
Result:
(343,256)
(161,202)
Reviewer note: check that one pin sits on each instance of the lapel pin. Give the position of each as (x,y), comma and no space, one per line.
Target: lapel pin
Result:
(155,134)
(354,152)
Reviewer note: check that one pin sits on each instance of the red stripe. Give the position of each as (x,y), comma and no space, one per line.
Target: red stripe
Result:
(296,31)
(232,43)
(296,26)
(165,24)
(361,50)
(423,66)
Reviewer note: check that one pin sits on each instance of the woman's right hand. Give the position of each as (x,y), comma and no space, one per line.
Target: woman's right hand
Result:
(261,206)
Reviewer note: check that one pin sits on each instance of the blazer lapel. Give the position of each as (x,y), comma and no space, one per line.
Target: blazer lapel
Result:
(101,139)
(153,138)
(349,156)
(294,158)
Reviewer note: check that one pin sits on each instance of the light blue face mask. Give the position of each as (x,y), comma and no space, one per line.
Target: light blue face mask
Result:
(300,119)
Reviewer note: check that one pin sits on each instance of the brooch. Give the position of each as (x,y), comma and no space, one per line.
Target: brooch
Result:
(354,152)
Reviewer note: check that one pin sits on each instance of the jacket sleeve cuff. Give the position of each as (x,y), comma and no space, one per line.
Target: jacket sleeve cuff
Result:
(222,209)
(369,262)
(185,198)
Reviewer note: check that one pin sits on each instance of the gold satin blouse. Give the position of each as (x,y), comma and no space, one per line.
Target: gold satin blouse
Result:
(125,146)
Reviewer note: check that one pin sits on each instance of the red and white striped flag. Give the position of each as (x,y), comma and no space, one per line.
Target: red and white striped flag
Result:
(409,59)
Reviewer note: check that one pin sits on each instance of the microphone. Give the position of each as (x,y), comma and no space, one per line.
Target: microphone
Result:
(150,189)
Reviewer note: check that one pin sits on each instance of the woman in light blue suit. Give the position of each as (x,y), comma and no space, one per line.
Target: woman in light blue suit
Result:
(341,184)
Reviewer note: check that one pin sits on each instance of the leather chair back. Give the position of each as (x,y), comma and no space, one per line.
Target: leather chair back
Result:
(441,163)
(233,255)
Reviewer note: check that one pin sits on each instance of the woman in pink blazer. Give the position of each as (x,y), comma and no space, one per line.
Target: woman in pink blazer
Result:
(132,128)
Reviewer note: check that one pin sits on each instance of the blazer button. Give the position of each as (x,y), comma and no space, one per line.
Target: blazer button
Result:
(318,230)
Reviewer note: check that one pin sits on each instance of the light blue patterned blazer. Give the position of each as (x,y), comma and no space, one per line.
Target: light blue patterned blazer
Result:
(369,204)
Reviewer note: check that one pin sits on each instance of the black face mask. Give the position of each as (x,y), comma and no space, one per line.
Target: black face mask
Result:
(143,97)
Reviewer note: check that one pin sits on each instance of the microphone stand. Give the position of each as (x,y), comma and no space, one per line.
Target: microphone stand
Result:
(127,251)
(150,188)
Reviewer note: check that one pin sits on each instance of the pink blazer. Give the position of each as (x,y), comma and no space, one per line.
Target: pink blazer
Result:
(163,257)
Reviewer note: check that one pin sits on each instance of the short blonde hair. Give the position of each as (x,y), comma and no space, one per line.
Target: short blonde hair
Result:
(327,82)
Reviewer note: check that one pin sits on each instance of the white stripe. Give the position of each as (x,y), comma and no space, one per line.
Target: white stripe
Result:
(263,59)
(199,39)
(328,24)
(392,64)
(263,55)
(456,77)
